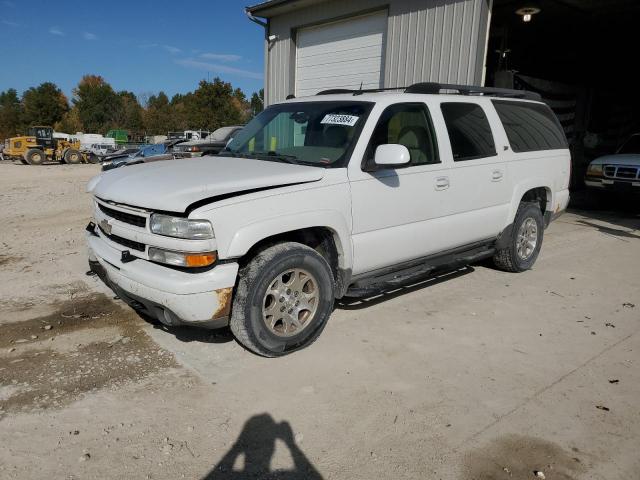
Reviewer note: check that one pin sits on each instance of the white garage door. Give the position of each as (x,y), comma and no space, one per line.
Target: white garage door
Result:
(342,54)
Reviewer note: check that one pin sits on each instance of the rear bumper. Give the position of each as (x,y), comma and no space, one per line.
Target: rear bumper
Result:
(173,297)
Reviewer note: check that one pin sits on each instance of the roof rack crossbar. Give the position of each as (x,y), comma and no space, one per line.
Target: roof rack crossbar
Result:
(432,87)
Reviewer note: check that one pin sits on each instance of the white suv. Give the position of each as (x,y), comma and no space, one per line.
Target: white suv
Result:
(348,193)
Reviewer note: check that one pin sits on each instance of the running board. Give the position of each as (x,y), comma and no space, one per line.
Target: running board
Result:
(403,275)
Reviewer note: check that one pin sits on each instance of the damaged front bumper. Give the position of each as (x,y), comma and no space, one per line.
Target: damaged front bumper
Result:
(172,296)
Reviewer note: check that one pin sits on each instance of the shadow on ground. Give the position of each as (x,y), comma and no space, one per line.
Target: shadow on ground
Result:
(617,209)
(251,454)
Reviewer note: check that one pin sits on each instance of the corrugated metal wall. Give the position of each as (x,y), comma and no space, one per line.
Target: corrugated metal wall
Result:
(427,40)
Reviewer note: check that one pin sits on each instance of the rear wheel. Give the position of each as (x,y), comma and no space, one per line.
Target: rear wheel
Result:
(284,298)
(525,240)
(35,156)
(72,156)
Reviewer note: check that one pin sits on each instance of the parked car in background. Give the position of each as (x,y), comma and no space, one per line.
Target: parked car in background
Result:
(619,172)
(348,193)
(148,153)
(212,144)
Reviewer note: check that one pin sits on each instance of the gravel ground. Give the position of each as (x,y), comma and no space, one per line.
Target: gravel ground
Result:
(479,374)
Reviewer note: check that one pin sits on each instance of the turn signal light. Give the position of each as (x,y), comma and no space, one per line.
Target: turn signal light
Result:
(200,259)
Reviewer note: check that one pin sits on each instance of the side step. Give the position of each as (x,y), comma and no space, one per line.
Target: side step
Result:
(421,270)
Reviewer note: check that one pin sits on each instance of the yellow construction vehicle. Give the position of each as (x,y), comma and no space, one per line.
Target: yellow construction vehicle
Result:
(39,146)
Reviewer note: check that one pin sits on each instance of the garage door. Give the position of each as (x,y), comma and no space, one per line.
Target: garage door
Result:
(340,55)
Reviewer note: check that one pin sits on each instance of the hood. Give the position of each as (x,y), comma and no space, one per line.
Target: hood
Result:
(173,186)
(619,159)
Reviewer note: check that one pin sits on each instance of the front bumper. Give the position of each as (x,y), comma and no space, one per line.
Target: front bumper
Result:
(173,297)
(613,185)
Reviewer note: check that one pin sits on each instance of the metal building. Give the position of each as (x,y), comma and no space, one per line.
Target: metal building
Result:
(313,45)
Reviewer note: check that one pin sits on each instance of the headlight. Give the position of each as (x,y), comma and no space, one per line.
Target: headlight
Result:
(182,259)
(594,170)
(181,227)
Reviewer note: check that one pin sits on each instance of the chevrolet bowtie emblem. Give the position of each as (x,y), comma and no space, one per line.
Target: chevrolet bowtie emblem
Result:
(105,226)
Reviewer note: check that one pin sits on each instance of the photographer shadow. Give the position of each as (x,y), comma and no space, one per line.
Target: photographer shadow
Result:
(256,444)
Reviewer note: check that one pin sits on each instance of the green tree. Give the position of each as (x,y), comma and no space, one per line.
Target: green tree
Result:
(129,112)
(257,102)
(215,104)
(158,114)
(44,104)
(97,104)
(70,122)
(10,114)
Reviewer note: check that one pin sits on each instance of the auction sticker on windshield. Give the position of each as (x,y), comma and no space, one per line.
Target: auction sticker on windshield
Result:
(336,119)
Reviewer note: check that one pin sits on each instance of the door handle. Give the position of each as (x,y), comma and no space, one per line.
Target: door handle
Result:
(442,183)
(496,176)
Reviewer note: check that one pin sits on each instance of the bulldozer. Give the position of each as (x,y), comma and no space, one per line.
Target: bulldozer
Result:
(39,146)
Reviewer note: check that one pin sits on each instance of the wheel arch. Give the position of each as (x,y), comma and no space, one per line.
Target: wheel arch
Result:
(534,190)
(326,232)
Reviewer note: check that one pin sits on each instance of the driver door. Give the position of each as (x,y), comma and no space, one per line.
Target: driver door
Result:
(397,212)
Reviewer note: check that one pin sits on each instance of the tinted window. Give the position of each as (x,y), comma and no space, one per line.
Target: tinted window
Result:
(407,124)
(530,126)
(469,131)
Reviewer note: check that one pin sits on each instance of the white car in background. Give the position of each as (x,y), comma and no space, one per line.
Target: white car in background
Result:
(619,172)
(348,193)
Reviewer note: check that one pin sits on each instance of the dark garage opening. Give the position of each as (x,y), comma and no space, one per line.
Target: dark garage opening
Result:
(582,57)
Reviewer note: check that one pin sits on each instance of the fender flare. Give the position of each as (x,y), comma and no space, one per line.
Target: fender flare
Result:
(251,234)
(523,187)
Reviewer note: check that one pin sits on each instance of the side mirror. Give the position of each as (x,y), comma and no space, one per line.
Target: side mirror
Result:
(392,155)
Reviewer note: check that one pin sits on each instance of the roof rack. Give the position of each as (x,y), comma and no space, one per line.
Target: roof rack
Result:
(436,88)
(432,87)
(359,91)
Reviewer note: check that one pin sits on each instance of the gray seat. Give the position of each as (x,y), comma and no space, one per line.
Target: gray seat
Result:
(416,139)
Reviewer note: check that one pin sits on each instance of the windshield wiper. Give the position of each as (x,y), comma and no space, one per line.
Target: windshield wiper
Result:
(277,156)
(292,159)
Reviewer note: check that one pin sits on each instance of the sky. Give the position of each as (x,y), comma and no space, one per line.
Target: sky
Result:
(141,46)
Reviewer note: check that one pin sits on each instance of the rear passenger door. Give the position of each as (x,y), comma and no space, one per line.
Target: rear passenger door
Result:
(480,191)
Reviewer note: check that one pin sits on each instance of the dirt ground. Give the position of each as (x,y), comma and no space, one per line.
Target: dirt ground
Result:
(479,374)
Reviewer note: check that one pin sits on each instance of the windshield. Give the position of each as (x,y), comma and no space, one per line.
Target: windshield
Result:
(308,133)
(631,146)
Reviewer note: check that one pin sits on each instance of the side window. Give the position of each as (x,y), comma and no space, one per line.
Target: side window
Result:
(530,126)
(469,131)
(407,124)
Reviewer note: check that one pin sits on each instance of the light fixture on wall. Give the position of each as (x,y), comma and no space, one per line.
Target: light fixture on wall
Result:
(527,13)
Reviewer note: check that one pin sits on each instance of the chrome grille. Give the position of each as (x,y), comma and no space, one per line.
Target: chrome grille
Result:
(125,242)
(622,172)
(129,218)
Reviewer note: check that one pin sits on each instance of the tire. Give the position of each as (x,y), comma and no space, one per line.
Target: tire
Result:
(72,156)
(257,295)
(93,158)
(35,156)
(519,255)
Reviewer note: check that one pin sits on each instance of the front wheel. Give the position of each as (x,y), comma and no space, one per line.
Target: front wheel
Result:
(525,241)
(72,156)
(284,298)
(35,156)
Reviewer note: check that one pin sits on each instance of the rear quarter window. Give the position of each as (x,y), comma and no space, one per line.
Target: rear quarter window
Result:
(530,126)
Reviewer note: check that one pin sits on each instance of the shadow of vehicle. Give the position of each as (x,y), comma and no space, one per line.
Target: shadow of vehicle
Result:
(189,334)
(616,209)
(352,303)
(256,445)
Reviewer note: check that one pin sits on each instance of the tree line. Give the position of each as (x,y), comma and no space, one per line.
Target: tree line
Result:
(97,108)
